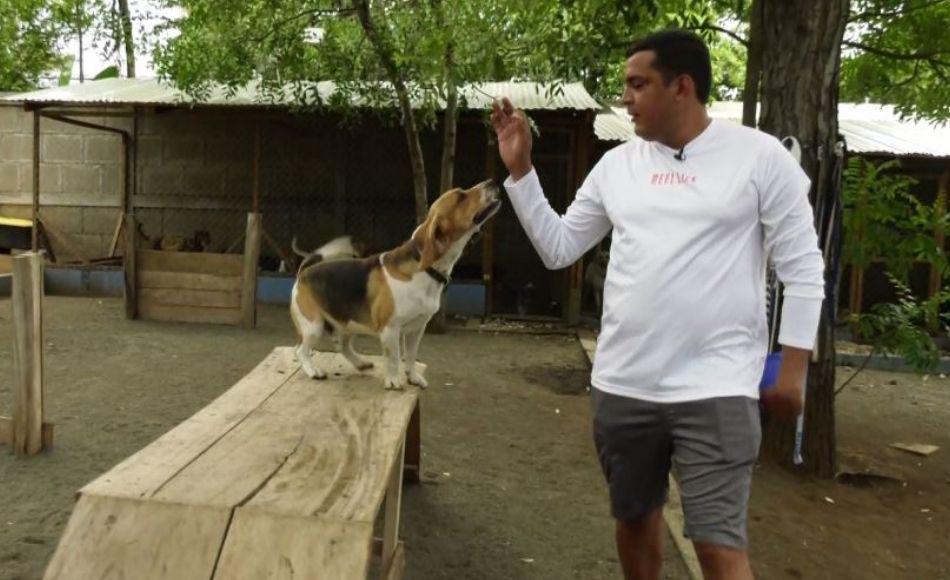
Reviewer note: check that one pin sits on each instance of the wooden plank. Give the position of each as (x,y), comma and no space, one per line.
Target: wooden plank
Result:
(265,545)
(198,314)
(195,262)
(6,265)
(397,567)
(188,281)
(62,240)
(393,510)
(412,466)
(6,432)
(27,298)
(119,538)
(129,266)
(252,254)
(922,449)
(201,298)
(116,235)
(145,472)
(334,460)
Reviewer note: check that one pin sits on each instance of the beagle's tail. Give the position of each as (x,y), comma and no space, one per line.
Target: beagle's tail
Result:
(296,248)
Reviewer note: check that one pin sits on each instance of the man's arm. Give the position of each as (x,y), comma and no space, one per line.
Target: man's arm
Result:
(559,240)
(792,244)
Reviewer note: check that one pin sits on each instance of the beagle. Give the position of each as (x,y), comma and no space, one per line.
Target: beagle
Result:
(392,295)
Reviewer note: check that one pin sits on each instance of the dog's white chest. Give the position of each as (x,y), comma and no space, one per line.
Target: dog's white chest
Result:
(416,297)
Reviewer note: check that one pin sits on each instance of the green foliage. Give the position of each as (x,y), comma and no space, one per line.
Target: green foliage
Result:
(883,221)
(899,53)
(30,40)
(904,327)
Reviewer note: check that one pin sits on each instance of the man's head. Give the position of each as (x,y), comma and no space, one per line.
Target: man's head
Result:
(668,73)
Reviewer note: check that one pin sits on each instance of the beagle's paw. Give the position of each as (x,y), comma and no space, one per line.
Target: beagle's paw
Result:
(393,383)
(417,380)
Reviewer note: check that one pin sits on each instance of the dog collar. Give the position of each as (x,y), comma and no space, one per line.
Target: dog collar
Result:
(431,271)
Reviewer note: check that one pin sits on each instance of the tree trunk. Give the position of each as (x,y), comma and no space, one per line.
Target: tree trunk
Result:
(125,22)
(384,51)
(451,128)
(801,59)
(753,67)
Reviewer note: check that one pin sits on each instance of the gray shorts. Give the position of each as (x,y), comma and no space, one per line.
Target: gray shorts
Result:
(711,444)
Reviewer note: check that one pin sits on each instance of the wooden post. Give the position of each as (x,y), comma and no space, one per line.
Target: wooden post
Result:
(252,253)
(35,212)
(27,298)
(943,190)
(412,468)
(488,238)
(391,517)
(256,169)
(128,262)
(583,138)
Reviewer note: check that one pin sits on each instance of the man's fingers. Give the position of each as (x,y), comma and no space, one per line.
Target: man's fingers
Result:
(507,106)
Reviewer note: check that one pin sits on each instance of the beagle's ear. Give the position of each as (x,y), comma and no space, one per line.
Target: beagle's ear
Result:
(434,242)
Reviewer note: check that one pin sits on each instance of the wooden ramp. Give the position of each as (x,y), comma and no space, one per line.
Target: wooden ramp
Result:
(280,477)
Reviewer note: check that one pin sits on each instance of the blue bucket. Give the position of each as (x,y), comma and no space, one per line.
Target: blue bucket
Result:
(770,375)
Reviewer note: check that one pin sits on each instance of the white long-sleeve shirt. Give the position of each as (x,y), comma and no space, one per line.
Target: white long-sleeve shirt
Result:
(684,314)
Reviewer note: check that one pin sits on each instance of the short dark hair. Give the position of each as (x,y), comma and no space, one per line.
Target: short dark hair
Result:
(679,52)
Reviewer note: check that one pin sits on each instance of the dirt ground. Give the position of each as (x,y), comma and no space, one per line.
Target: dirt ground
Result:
(511,488)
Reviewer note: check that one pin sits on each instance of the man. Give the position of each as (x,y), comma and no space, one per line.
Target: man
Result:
(696,206)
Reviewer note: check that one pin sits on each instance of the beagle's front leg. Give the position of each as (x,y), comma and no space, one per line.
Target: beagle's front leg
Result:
(413,339)
(390,340)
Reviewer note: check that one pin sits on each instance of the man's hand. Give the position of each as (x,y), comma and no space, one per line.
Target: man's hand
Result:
(785,400)
(514,138)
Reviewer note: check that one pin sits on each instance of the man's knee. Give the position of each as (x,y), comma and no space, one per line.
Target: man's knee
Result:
(719,557)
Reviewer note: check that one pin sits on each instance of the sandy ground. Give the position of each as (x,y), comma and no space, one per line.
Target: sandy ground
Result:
(511,488)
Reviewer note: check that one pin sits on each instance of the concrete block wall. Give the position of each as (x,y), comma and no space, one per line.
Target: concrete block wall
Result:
(80,177)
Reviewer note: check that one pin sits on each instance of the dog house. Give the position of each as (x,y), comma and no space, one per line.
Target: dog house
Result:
(168,169)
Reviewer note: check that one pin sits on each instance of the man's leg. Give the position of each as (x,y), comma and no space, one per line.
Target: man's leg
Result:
(715,444)
(640,546)
(723,563)
(634,446)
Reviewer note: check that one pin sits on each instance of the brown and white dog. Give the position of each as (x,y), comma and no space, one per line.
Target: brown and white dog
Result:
(393,294)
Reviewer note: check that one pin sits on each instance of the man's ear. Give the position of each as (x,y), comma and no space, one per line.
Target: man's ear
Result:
(434,242)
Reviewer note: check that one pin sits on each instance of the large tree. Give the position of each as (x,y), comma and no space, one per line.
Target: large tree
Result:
(31,40)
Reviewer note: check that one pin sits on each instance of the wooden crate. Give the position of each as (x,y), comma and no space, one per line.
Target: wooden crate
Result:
(189,286)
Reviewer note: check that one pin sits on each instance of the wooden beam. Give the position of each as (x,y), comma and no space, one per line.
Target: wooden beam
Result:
(117,234)
(35,212)
(391,518)
(488,239)
(252,253)
(940,207)
(27,298)
(412,464)
(581,145)
(256,169)
(128,266)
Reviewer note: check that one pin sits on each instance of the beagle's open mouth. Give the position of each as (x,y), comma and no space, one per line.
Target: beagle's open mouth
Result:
(489,210)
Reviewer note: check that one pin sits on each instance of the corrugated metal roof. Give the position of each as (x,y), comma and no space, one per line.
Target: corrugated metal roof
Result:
(527,95)
(868,128)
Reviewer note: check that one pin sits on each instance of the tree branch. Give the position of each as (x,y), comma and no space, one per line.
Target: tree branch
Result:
(863,16)
(722,30)
(305,13)
(928,56)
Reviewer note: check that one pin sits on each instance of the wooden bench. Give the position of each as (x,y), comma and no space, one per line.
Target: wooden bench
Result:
(280,477)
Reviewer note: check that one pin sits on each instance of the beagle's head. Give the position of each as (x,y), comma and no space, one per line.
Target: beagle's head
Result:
(453,218)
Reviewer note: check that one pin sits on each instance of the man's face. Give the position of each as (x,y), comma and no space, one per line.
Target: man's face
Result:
(649,100)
